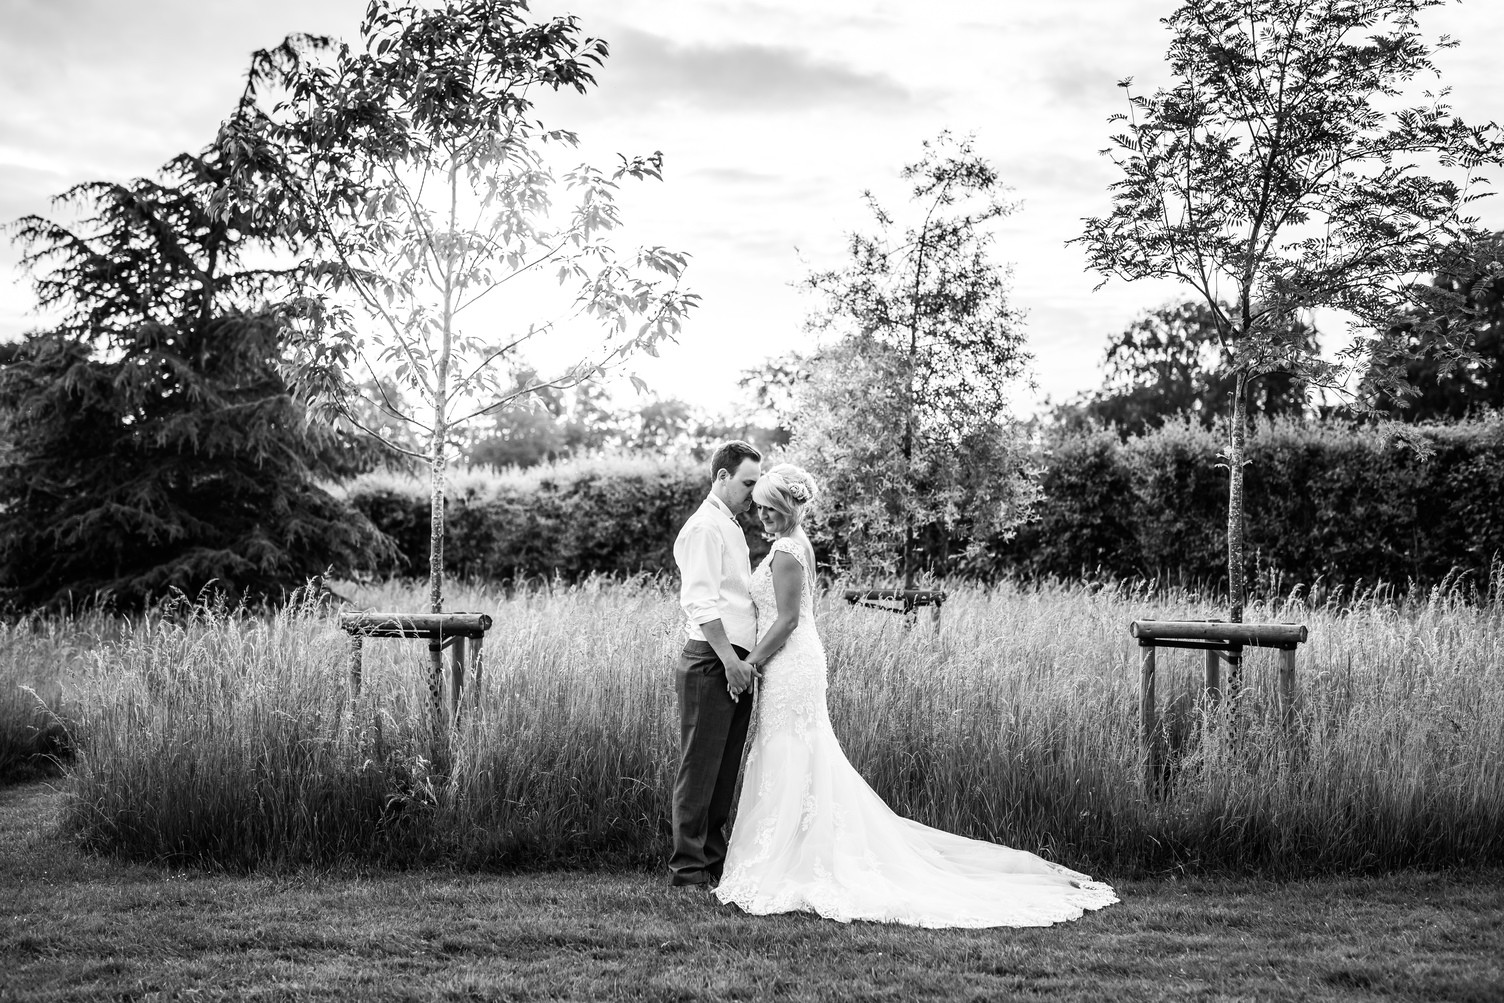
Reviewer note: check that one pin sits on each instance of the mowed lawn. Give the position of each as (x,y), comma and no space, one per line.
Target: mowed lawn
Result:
(83,928)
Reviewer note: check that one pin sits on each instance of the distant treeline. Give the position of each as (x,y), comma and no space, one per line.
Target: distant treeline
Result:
(1327,501)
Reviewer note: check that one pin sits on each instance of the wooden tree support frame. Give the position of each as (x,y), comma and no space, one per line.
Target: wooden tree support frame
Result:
(1221,641)
(462,633)
(905,601)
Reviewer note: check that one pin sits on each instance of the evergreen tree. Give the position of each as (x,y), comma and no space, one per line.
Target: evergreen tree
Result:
(150,442)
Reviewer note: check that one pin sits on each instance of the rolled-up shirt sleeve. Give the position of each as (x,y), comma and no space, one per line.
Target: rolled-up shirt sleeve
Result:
(699,556)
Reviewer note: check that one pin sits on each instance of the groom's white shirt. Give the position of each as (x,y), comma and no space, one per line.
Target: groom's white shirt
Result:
(715,572)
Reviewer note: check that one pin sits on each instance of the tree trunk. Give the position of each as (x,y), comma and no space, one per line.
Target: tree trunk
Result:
(436,464)
(438,751)
(438,457)
(908,554)
(909,416)
(1236,587)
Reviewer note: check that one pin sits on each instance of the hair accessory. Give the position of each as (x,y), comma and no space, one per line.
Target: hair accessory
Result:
(795,483)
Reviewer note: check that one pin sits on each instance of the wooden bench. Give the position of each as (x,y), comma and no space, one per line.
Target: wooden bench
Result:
(1222,641)
(462,633)
(904,601)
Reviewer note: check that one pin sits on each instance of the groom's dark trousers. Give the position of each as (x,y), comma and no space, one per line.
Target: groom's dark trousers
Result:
(713,729)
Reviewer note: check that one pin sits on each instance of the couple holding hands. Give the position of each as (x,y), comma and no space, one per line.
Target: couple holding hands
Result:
(810,834)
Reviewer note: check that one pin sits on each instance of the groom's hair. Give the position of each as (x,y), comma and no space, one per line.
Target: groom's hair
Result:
(731,455)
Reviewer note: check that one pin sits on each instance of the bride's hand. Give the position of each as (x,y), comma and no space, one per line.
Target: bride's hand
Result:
(751,687)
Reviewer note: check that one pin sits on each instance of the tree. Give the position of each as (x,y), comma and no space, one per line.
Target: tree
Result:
(1446,386)
(904,416)
(517,437)
(152,442)
(413,170)
(1281,173)
(578,421)
(662,425)
(772,387)
(1170,362)
(540,429)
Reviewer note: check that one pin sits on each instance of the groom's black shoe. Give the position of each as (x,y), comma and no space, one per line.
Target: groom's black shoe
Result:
(706,885)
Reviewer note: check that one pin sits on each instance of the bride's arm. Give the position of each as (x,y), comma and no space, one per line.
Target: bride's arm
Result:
(788,583)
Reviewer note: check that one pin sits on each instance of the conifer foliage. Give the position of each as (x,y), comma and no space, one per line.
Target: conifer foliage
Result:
(149,442)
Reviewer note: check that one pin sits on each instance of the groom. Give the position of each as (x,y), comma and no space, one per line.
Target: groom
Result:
(715,574)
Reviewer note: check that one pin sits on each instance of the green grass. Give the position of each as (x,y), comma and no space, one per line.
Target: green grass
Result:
(86,928)
(211,737)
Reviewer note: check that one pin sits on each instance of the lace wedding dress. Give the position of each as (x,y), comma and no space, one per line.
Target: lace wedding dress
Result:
(811,835)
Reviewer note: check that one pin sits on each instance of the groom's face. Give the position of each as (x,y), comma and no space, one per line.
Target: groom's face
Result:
(737,490)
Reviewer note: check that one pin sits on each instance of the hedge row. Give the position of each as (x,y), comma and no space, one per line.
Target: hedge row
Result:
(572,519)
(1324,501)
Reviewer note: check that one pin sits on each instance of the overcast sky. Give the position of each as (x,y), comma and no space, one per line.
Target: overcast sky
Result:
(773,116)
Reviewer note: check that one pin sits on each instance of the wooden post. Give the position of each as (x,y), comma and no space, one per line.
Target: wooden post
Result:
(456,677)
(436,686)
(1287,686)
(1213,676)
(1234,672)
(1149,723)
(476,663)
(355,645)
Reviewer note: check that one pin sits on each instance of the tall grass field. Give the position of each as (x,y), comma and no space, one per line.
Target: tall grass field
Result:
(220,738)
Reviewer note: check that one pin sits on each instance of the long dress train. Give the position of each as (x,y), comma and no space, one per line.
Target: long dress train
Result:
(811,835)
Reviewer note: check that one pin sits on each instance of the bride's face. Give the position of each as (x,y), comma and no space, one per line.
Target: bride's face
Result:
(769,520)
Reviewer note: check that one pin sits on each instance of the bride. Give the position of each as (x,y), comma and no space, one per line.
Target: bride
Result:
(810,834)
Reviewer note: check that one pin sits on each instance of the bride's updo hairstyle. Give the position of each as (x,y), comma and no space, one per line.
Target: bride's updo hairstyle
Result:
(786,489)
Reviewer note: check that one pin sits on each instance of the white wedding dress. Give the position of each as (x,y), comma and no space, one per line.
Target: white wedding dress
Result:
(811,835)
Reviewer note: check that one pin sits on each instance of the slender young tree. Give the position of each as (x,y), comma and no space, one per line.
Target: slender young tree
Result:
(413,168)
(1281,172)
(904,415)
(152,442)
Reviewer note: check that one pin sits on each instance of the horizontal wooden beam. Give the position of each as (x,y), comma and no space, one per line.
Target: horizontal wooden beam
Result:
(429,625)
(908,597)
(1258,635)
(1170,642)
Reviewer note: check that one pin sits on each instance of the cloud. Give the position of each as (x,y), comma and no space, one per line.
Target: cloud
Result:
(739,76)
(773,246)
(735,176)
(1033,171)
(1077,83)
(25,190)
